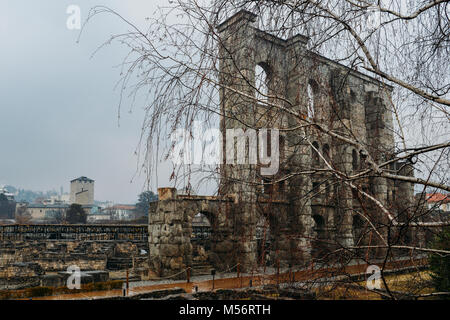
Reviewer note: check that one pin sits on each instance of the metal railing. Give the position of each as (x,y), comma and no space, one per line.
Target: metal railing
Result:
(78,231)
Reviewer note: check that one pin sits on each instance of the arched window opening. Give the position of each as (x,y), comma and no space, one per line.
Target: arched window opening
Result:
(201,226)
(354,159)
(319,225)
(261,83)
(326,152)
(315,187)
(315,154)
(358,222)
(201,237)
(312,90)
(362,160)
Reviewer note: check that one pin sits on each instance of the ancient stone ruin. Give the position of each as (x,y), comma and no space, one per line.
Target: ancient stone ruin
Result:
(40,255)
(297,220)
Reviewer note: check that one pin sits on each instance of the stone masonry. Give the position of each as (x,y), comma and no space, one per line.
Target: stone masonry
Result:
(310,214)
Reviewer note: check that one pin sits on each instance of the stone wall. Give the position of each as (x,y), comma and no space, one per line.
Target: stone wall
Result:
(343,100)
(28,260)
(170,230)
(232,239)
(308,215)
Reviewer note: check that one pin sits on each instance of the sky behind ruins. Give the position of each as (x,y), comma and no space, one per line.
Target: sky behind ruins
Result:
(58,105)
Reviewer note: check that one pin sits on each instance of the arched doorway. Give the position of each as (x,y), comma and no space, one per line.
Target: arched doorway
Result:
(201,238)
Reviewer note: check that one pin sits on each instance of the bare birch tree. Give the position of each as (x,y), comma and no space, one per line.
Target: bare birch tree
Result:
(401,44)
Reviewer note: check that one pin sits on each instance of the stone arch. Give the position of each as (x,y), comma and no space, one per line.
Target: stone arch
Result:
(201,237)
(201,209)
(207,256)
(262,81)
(201,224)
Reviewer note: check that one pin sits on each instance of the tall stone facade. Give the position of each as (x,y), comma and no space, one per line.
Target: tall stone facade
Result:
(288,221)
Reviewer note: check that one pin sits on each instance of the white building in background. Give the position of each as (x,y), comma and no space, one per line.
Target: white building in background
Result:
(104,204)
(99,216)
(121,212)
(82,191)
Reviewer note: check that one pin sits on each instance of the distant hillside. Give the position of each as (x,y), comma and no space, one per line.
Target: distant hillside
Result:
(28,195)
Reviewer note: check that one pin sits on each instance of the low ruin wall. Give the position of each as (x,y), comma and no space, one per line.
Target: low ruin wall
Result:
(23,263)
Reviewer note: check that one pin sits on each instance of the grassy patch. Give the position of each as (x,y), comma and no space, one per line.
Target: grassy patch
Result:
(413,283)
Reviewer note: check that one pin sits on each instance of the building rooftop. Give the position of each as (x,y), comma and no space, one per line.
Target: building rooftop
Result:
(48,206)
(83,179)
(56,206)
(100,213)
(438,197)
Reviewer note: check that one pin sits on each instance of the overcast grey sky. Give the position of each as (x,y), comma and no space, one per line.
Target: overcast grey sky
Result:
(58,106)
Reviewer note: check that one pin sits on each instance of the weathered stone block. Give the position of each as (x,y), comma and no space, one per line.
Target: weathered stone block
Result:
(170,250)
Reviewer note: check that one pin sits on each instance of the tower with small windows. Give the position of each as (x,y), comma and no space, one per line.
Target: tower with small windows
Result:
(82,191)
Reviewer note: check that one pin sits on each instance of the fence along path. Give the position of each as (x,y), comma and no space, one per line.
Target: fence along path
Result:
(74,232)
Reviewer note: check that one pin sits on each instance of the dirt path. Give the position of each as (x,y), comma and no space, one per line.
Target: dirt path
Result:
(235,282)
